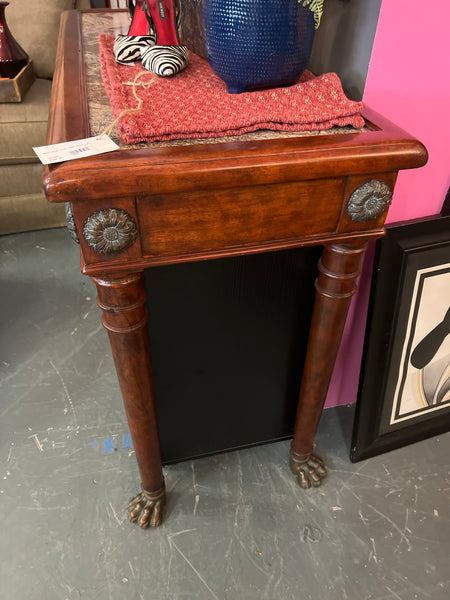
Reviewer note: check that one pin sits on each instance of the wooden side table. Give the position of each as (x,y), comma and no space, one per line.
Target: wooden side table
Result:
(163,204)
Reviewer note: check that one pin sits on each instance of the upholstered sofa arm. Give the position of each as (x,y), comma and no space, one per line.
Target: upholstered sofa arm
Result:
(35,25)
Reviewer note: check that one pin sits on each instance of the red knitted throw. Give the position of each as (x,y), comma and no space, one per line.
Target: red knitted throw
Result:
(195,103)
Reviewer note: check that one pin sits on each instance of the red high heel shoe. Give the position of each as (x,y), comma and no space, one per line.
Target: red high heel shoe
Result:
(167,57)
(127,48)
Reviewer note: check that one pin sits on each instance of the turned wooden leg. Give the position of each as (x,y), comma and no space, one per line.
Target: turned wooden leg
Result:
(339,268)
(122,300)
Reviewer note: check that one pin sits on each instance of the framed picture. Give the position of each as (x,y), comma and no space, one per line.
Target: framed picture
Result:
(404,390)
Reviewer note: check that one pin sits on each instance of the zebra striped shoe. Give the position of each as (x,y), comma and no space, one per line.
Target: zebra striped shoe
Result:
(167,57)
(165,61)
(127,48)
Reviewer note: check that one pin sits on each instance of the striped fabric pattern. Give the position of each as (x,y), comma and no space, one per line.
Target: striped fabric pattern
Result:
(165,61)
(127,48)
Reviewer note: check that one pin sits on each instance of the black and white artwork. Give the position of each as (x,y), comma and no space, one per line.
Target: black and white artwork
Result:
(404,391)
(424,382)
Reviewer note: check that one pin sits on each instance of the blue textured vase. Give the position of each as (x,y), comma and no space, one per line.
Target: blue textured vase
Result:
(257,44)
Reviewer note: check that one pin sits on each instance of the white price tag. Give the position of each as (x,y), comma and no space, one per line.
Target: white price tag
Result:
(77,149)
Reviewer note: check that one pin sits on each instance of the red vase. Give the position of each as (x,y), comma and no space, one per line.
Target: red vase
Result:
(12,57)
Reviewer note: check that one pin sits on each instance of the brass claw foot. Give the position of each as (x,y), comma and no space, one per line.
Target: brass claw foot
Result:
(146,509)
(310,470)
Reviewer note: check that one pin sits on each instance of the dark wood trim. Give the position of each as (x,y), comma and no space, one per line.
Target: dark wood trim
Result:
(339,269)
(122,300)
(69,120)
(118,264)
(233,164)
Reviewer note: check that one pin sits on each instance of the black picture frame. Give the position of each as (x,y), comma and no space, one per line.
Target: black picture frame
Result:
(403,394)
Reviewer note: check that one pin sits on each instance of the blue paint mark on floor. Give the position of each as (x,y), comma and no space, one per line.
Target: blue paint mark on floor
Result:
(108,446)
(127,442)
(111,444)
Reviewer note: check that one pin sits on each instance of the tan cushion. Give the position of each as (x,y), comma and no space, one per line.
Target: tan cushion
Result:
(35,25)
(16,180)
(25,213)
(23,206)
(24,124)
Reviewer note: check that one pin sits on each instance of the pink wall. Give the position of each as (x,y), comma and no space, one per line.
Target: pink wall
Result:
(409,83)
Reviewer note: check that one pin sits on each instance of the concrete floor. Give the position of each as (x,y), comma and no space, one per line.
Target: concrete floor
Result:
(237,525)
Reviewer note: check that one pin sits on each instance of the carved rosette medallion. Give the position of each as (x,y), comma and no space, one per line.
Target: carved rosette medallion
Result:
(110,231)
(369,201)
